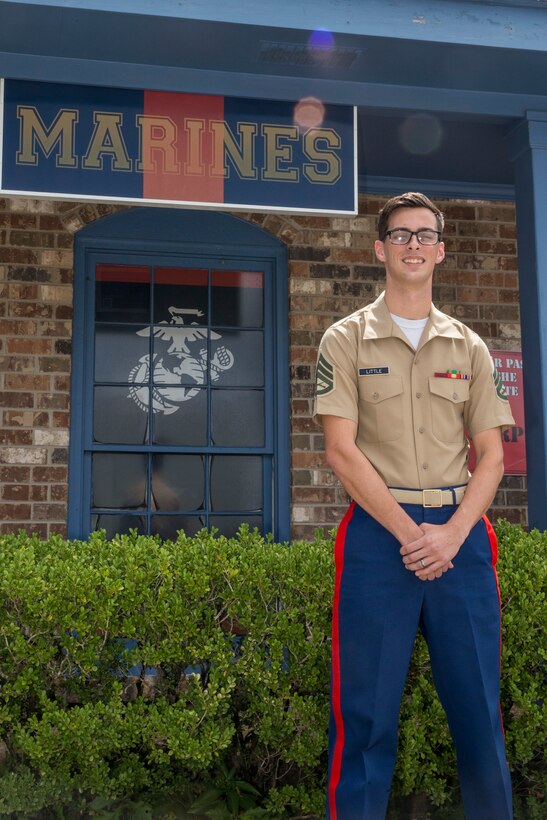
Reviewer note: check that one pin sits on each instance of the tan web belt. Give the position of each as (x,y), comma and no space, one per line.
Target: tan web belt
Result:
(429,498)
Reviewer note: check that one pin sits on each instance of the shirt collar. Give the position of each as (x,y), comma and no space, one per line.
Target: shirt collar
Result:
(380,325)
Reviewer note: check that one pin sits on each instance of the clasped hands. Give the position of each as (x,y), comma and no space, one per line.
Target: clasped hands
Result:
(430,555)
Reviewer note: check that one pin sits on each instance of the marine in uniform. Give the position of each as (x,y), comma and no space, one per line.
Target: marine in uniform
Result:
(399,384)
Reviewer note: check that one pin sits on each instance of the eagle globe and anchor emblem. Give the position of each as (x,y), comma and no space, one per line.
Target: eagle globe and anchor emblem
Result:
(190,371)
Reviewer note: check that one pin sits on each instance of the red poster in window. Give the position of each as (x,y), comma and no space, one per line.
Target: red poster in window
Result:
(509,366)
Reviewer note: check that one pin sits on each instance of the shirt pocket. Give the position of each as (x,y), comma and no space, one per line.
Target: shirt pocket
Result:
(380,408)
(448,397)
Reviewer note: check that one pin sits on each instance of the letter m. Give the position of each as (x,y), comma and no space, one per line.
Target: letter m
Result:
(34,134)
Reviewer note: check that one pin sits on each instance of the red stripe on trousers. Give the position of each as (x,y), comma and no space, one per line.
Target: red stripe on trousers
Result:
(492,537)
(336,765)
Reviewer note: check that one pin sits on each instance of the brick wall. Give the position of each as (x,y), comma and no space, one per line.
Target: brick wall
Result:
(36,269)
(332,272)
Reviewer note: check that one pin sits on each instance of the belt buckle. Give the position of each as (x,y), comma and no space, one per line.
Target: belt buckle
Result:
(432,498)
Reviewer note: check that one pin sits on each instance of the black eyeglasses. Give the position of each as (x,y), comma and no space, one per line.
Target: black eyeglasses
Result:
(402,236)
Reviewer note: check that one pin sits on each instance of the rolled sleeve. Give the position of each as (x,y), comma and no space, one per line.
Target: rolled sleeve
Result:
(336,392)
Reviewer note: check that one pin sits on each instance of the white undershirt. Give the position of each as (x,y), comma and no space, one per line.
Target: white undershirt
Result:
(412,328)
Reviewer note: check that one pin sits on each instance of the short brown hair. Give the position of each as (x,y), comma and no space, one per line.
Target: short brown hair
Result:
(408,200)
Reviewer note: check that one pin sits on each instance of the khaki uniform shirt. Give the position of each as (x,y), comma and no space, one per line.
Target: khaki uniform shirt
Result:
(411,407)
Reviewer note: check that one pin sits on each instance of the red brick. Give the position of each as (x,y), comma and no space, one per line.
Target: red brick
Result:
(494,279)
(62,383)
(54,328)
(14,399)
(23,256)
(15,492)
(54,364)
(307,460)
(50,222)
(49,512)
(25,418)
(328,515)
(59,492)
(508,263)
(30,309)
(15,512)
(17,327)
(39,492)
(61,421)
(39,529)
(477,229)
(458,211)
(510,296)
(459,245)
(359,255)
(301,478)
(23,220)
(24,291)
(496,213)
(29,346)
(475,295)
(26,382)
(457,277)
(314,495)
(14,474)
(508,231)
(42,474)
(63,312)
(32,239)
(499,246)
(52,401)
(64,240)
(58,529)
(18,437)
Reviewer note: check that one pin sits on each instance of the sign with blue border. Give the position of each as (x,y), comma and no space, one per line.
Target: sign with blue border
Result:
(167,148)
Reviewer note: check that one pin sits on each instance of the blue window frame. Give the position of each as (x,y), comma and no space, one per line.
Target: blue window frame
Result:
(180,376)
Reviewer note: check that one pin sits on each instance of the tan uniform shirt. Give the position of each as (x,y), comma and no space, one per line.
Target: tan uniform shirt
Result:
(411,407)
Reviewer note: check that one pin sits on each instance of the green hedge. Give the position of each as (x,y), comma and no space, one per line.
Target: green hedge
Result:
(134,667)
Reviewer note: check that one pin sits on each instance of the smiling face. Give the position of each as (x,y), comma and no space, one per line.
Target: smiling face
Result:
(411,264)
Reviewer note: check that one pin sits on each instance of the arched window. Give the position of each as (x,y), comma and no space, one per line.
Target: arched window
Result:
(179,377)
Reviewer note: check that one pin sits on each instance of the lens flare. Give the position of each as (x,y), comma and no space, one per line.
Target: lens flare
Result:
(421,134)
(309,112)
(321,38)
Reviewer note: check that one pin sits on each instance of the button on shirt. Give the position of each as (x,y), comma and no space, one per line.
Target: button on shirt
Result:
(411,407)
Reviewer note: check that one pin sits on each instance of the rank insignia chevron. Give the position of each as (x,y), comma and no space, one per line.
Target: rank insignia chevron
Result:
(325,376)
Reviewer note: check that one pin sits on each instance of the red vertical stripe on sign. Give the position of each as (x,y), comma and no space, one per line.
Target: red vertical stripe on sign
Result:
(336,765)
(176,147)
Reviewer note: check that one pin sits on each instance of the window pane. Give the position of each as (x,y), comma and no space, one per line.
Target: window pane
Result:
(237,418)
(236,483)
(167,526)
(122,293)
(118,524)
(237,360)
(121,354)
(182,417)
(119,480)
(120,415)
(228,525)
(180,354)
(236,298)
(180,296)
(178,482)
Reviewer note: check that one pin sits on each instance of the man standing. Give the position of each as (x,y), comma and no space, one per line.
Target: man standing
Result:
(398,383)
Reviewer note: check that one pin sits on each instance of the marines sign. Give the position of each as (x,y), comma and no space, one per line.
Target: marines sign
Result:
(109,144)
